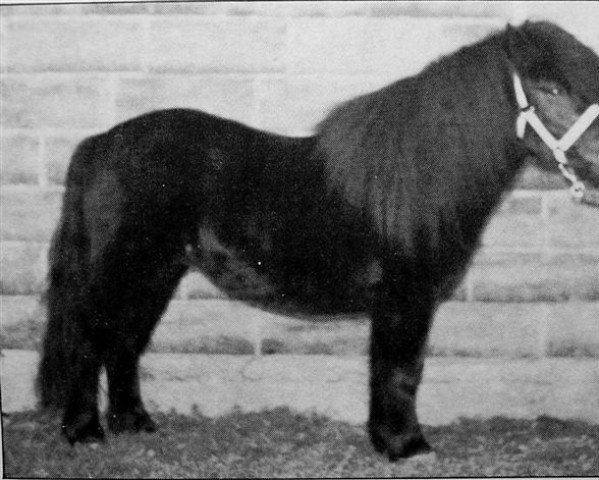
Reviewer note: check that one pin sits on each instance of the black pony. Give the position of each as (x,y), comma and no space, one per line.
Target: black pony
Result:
(381,210)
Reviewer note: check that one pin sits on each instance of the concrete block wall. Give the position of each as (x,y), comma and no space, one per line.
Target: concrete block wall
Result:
(68,71)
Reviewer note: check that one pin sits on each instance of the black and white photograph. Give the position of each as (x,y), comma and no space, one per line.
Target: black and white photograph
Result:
(299,239)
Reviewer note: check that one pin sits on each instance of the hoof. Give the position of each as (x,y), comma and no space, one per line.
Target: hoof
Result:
(136,421)
(89,432)
(422,458)
(397,446)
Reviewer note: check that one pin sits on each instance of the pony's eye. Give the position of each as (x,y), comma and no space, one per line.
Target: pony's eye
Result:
(552,90)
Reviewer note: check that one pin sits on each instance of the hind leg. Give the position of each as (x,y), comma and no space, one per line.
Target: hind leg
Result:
(81,421)
(122,325)
(137,274)
(126,410)
(148,299)
(134,268)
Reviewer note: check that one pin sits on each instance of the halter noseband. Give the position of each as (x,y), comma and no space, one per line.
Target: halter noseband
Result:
(559,147)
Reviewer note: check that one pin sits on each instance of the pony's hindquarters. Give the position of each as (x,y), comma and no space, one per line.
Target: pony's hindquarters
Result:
(115,262)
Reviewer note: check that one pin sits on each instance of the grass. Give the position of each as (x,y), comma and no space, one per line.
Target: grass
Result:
(280,443)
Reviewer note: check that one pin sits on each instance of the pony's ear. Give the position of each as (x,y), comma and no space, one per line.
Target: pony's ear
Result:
(509,38)
(517,47)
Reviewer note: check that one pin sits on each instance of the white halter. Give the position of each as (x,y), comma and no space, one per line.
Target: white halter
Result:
(558,147)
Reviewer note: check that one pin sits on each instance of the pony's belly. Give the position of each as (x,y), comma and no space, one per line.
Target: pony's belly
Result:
(237,276)
(262,281)
(241,281)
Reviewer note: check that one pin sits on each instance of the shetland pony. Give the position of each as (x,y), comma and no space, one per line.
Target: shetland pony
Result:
(380,211)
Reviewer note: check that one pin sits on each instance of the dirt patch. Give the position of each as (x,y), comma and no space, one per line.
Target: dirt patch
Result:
(283,443)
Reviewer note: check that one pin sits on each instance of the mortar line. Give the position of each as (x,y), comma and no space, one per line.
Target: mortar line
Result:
(41,161)
(543,333)
(469,286)
(110,116)
(287,60)
(258,326)
(546,234)
(146,36)
(4,52)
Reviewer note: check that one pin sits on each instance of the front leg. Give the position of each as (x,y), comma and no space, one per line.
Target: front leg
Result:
(400,324)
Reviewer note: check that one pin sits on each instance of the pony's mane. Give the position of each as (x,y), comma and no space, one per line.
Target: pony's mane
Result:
(430,155)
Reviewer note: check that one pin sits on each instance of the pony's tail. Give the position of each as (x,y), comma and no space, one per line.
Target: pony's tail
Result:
(68,258)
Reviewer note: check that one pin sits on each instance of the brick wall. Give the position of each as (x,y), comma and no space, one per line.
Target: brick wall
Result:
(68,71)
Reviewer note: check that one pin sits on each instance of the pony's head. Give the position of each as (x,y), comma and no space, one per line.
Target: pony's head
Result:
(556,84)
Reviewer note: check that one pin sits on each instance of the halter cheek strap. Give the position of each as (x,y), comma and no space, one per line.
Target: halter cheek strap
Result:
(559,147)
